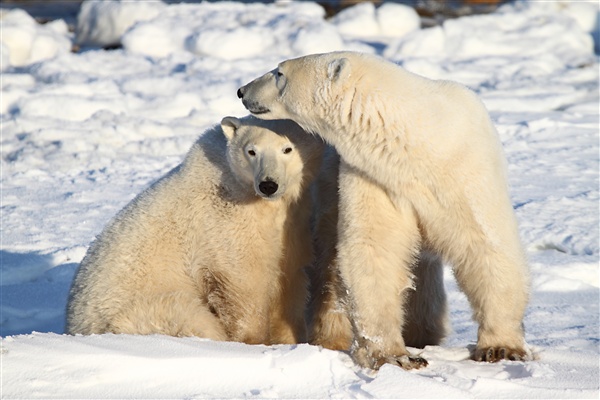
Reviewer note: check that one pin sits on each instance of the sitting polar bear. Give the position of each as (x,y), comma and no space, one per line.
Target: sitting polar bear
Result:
(422,171)
(216,248)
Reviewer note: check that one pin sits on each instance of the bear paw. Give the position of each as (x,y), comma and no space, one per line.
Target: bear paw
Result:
(406,362)
(495,354)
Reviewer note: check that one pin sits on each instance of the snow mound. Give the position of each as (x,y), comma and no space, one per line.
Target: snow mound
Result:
(102,23)
(233,31)
(365,21)
(25,42)
(511,33)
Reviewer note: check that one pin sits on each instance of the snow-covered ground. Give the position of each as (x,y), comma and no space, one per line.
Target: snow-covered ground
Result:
(83,133)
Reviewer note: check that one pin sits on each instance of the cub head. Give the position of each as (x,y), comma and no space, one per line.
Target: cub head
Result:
(301,89)
(276,158)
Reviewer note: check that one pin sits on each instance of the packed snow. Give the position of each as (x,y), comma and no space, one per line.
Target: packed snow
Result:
(84,132)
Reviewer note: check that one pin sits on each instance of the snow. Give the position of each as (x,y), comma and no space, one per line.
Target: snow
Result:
(364,20)
(83,133)
(25,42)
(229,31)
(101,23)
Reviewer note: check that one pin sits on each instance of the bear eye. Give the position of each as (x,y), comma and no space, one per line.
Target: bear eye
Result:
(280,80)
(251,153)
(287,150)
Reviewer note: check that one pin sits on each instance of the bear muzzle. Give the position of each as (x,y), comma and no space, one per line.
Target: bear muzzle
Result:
(251,106)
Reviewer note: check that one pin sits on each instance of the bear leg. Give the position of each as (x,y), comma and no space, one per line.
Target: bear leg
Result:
(241,304)
(490,268)
(378,243)
(497,290)
(329,325)
(174,313)
(427,309)
(288,325)
(328,317)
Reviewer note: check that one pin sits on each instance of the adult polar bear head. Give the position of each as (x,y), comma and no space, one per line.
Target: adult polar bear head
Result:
(300,87)
(269,155)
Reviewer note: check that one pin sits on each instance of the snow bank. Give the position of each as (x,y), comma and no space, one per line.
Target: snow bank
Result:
(514,32)
(233,31)
(24,41)
(586,13)
(230,30)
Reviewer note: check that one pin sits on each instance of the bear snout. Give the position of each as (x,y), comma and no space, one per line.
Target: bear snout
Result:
(251,105)
(268,187)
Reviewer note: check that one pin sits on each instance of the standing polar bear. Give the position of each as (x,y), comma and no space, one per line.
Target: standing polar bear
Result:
(216,248)
(422,169)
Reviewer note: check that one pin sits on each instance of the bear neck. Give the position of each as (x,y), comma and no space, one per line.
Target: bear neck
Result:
(365,138)
(237,190)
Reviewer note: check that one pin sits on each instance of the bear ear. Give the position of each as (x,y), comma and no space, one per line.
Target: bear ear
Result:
(338,68)
(229,126)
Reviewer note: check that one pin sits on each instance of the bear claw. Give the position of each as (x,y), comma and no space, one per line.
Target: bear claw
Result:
(405,362)
(494,354)
(412,362)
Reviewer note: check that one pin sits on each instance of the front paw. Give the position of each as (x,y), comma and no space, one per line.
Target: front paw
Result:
(495,354)
(408,362)
(375,362)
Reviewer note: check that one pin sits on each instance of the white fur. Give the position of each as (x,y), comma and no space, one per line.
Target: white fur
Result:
(426,320)
(425,171)
(203,252)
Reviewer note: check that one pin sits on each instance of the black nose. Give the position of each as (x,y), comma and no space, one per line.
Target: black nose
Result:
(268,187)
(240,93)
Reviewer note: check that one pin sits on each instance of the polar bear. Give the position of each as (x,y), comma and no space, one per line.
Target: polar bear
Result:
(215,249)
(423,169)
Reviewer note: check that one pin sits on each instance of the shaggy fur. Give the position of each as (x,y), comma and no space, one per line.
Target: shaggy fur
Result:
(426,319)
(210,250)
(425,170)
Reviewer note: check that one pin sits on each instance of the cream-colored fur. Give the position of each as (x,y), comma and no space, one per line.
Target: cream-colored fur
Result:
(327,312)
(205,251)
(426,319)
(425,171)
